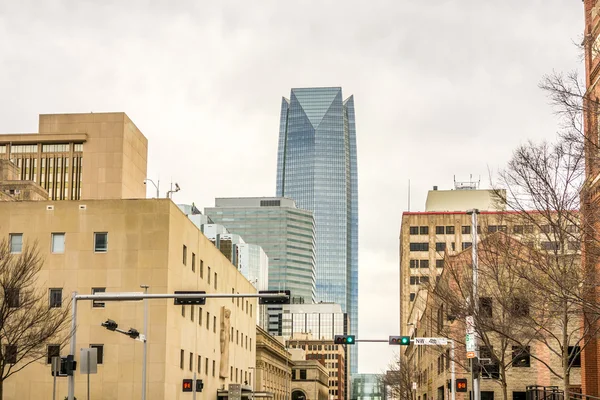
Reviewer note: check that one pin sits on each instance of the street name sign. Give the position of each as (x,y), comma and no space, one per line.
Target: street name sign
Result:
(430,341)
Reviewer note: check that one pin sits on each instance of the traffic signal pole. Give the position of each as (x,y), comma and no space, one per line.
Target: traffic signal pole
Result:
(475,299)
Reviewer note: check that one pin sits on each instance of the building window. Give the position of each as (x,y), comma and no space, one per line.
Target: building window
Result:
(518,229)
(192,313)
(181,356)
(208,269)
(424,263)
(191,366)
(466,245)
(183,311)
(193,262)
(439,263)
(58,243)
(215,324)
(207,321)
(215,280)
(16,242)
(414,280)
(206,366)
(10,354)
(574,356)
(519,307)
(440,246)
(414,263)
(251,310)
(492,228)
(184,254)
(419,246)
(213,369)
(520,356)
(99,351)
(465,229)
(55,298)
(11,297)
(424,230)
(413,230)
(202,269)
(53,351)
(485,307)
(424,279)
(96,303)
(450,230)
(100,242)
(303,374)
(550,246)
(200,316)
(270,203)
(199,366)
(439,230)
(412,297)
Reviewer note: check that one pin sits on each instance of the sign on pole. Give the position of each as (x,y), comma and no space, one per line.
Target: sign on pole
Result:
(430,341)
(91,366)
(470,322)
(235,391)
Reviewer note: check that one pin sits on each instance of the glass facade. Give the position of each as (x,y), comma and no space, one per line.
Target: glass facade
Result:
(367,387)
(317,167)
(286,234)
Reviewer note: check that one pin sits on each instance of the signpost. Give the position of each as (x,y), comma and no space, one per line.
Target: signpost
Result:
(235,391)
(430,341)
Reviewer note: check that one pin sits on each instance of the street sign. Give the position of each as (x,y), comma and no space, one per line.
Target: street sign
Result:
(414,386)
(89,364)
(235,391)
(430,341)
(470,342)
(470,354)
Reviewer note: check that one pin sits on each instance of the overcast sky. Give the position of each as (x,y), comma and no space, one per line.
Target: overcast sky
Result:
(441,88)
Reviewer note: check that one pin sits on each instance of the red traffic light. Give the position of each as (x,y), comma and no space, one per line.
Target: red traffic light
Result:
(187,385)
(461,385)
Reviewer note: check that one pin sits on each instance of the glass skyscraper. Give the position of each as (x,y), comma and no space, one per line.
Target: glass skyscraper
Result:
(316,166)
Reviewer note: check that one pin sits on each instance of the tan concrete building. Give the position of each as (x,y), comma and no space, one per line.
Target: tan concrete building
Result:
(273,367)
(81,156)
(14,189)
(431,364)
(309,380)
(92,246)
(332,356)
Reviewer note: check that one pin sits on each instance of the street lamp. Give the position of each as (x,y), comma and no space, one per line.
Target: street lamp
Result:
(155,185)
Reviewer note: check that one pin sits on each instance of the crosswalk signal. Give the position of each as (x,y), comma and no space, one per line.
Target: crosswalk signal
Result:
(187,385)
(199,385)
(399,340)
(461,385)
(344,339)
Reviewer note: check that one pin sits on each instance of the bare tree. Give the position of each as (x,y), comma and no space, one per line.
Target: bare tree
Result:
(27,321)
(398,379)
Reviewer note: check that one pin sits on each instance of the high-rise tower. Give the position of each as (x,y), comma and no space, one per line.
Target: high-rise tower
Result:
(316,166)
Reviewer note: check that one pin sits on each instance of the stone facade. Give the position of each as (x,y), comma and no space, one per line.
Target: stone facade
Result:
(309,380)
(273,366)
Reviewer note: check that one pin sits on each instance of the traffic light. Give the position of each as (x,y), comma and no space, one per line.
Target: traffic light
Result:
(284,299)
(199,385)
(461,385)
(70,365)
(476,367)
(133,333)
(187,385)
(200,300)
(400,340)
(344,339)
(110,325)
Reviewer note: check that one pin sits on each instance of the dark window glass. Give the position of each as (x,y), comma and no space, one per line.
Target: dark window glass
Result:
(413,230)
(100,242)
(11,296)
(412,297)
(518,229)
(485,307)
(424,279)
(519,307)
(440,246)
(414,263)
(520,356)
(53,351)
(492,228)
(184,254)
(439,230)
(414,280)
(100,351)
(424,263)
(450,230)
(424,230)
(466,229)
(466,245)
(95,303)
(574,356)
(419,247)
(439,263)
(302,374)
(55,298)
(10,354)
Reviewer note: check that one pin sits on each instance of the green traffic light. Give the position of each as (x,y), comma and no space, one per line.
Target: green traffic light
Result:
(350,339)
(405,340)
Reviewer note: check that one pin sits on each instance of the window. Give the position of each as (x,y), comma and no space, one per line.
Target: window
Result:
(206,366)
(485,307)
(193,262)
(413,230)
(95,303)
(502,228)
(183,311)
(575,356)
(55,298)
(215,280)
(215,324)
(466,229)
(439,230)
(100,242)
(492,228)
(550,246)
(520,357)
(414,263)
(250,309)
(302,374)
(100,352)
(213,369)
(191,366)
(519,307)
(208,275)
(466,245)
(181,355)
(414,280)
(11,297)
(199,366)
(412,297)
(419,246)
(450,230)
(424,279)
(53,351)
(184,254)
(424,230)
(200,316)
(574,245)
(424,263)
(545,228)
(58,243)
(10,354)
(16,242)
(518,229)
(572,229)
(207,321)
(440,246)
(439,263)
(192,312)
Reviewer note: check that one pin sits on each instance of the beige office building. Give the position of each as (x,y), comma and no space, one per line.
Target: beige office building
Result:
(273,377)
(81,156)
(92,246)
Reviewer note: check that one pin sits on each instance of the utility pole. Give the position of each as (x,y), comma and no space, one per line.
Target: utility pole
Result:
(145,356)
(475,301)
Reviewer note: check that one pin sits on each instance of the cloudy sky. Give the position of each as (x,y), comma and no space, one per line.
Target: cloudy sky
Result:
(442,88)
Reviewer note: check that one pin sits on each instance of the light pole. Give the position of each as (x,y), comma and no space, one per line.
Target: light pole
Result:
(475,364)
(155,185)
(253,381)
(145,356)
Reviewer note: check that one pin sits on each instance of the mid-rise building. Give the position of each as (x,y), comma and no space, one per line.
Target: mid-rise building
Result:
(93,246)
(109,145)
(317,167)
(273,367)
(309,378)
(368,387)
(286,234)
